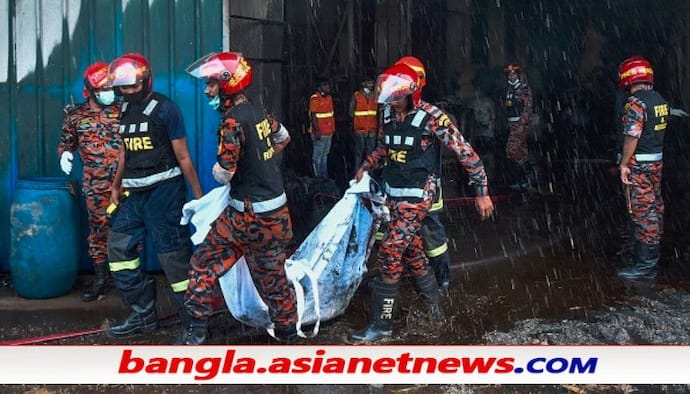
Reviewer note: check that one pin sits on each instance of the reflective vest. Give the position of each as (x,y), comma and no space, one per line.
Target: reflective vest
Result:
(149,156)
(258,171)
(651,143)
(321,107)
(408,165)
(365,113)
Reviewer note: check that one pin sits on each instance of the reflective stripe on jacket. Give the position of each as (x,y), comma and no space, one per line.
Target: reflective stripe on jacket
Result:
(322,109)
(365,113)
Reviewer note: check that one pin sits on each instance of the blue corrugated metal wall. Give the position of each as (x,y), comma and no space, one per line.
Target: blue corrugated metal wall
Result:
(54,41)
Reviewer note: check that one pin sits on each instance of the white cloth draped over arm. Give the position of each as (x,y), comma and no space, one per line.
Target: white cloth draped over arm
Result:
(204,211)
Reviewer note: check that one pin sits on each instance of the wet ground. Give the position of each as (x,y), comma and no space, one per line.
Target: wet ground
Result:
(541,272)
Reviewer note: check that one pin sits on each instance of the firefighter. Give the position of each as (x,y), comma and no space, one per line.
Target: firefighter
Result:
(91,129)
(322,118)
(645,119)
(517,104)
(411,134)
(363,108)
(433,232)
(256,223)
(152,169)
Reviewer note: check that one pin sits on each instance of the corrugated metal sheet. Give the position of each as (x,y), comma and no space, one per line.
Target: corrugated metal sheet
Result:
(54,41)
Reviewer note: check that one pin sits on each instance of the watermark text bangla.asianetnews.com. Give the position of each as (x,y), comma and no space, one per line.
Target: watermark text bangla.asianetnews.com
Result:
(208,368)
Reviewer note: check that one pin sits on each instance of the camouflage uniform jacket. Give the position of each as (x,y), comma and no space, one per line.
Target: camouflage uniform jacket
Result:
(94,135)
(449,135)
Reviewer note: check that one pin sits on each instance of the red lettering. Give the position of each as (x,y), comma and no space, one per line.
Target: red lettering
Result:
(186,362)
(365,361)
(384,365)
(334,365)
(505,365)
(301,365)
(229,357)
(449,365)
(469,365)
(207,368)
(419,363)
(160,364)
(127,360)
(402,361)
(281,365)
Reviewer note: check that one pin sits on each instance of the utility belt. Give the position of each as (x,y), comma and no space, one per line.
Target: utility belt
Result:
(644,157)
(259,206)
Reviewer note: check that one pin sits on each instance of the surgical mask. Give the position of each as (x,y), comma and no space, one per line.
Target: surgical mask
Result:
(105,97)
(214,102)
(367,90)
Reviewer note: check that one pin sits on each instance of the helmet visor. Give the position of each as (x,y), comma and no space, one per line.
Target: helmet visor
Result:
(125,74)
(393,87)
(211,66)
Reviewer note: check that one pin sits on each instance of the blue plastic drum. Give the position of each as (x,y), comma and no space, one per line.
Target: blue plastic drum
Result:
(44,254)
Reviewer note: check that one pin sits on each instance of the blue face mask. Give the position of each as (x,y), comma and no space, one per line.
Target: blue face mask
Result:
(214,102)
(105,97)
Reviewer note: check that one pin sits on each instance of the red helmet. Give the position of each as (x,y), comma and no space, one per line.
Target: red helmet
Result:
(95,77)
(634,69)
(416,65)
(396,82)
(230,69)
(130,69)
(512,67)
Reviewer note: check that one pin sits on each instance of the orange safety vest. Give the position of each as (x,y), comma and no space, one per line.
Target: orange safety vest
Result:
(322,108)
(365,113)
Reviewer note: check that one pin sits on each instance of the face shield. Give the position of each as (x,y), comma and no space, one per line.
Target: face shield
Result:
(210,67)
(393,87)
(230,69)
(127,74)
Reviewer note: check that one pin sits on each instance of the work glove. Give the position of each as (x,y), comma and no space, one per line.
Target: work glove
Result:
(66,162)
(221,175)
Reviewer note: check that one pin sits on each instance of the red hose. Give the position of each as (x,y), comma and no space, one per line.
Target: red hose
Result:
(65,335)
(51,337)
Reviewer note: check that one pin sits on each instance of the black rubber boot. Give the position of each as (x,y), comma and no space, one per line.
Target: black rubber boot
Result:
(441,266)
(194,332)
(646,258)
(428,289)
(98,286)
(143,318)
(526,178)
(384,296)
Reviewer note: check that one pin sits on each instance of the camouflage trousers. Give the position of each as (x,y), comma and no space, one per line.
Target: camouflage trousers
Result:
(516,147)
(646,202)
(402,248)
(99,226)
(262,239)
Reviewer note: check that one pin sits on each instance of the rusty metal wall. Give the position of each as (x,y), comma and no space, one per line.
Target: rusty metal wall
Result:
(48,45)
